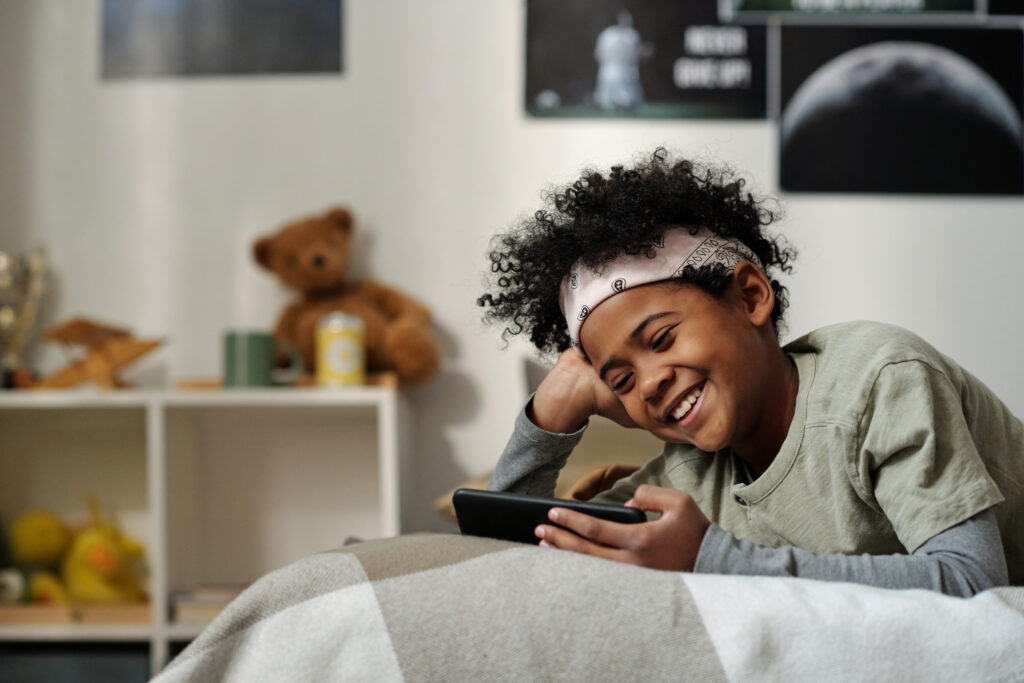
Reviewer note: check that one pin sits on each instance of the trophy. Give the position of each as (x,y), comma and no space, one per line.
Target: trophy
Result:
(22,282)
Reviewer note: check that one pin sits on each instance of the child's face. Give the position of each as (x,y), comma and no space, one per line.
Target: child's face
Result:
(684,364)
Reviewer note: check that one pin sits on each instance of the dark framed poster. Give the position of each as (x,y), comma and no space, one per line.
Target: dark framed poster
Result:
(161,38)
(901,110)
(641,58)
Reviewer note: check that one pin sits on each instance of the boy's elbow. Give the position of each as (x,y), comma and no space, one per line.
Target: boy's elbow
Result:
(966,579)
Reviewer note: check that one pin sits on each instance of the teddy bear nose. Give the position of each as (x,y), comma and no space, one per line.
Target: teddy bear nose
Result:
(319,261)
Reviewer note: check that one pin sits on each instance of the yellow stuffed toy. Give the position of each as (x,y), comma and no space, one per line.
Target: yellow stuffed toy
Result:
(96,563)
(46,589)
(38,540)
(103,565)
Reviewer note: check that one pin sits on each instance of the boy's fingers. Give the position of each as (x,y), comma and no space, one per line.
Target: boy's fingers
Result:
(656,498)
(650,498)
(597,530)
(556,537)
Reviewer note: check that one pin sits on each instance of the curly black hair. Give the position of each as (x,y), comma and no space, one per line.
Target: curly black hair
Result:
(600,216)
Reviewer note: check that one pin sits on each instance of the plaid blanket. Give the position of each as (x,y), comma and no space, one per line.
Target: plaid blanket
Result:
(438,607)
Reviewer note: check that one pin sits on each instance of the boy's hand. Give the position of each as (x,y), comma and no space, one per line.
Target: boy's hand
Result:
(669,542)
(570,393)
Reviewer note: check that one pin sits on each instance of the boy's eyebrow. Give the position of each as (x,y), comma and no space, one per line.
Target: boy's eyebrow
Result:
(634,336)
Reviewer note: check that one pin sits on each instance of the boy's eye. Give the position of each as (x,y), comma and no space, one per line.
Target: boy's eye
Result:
(661,339)
(619,383)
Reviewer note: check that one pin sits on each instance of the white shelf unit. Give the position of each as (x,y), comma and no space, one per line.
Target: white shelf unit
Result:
(220,486)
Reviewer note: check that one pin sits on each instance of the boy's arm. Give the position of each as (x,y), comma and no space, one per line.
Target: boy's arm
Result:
(552,424)
(917,460)
(962,560)
(533,458)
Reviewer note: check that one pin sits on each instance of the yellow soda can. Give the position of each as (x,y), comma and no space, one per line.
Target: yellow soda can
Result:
(340,350)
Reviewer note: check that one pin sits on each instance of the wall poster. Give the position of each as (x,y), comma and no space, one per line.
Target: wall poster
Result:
(908,110)
(642,59)
(159,38)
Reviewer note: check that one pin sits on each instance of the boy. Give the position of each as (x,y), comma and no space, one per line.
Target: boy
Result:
(856,453)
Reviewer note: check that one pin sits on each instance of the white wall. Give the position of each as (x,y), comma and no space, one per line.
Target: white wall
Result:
(148,195)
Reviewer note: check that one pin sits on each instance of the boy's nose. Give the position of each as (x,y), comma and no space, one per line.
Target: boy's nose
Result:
(653,380)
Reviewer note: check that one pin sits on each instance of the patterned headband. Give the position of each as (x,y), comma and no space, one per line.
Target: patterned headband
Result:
(584,288)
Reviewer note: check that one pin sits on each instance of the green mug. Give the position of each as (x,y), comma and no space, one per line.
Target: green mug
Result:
(249,360)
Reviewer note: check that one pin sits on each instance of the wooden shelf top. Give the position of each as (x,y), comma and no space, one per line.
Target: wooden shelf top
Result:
(129,398)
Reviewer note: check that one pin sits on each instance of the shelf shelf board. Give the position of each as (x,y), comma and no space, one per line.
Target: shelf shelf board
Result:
(127,398)
(76,632)
(74,398)
(334,396)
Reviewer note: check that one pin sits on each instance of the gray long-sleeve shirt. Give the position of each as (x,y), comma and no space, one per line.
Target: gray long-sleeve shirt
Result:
(962,560)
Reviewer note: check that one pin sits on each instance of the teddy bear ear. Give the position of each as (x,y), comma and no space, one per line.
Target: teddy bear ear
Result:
(341,218)
(262,250)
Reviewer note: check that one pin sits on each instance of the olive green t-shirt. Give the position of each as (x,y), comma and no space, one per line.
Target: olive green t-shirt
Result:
(891,443)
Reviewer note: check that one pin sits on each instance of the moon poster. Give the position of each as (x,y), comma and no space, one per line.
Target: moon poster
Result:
(158,38)
(641,59)
(901,110)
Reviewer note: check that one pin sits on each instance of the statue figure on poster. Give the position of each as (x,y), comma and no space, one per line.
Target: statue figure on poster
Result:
(618,52)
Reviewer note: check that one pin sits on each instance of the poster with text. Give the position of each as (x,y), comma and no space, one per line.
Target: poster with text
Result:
(641,58)
(161,38)
(901,110)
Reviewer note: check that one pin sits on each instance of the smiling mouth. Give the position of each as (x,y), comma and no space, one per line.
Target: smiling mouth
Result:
(687,403)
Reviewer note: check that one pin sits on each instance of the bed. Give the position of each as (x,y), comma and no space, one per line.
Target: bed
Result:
(443,607)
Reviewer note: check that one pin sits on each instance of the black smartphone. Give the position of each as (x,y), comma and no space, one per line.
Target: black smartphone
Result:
(514,516)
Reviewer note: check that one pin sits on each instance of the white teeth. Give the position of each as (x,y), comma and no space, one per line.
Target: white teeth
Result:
(684,407)
(681,412)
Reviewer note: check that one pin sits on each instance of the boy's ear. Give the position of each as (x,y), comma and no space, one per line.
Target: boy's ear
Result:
(755,292)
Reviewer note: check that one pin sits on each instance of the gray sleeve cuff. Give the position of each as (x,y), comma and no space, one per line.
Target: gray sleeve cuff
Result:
(716,554)
(532,458)
(962,560)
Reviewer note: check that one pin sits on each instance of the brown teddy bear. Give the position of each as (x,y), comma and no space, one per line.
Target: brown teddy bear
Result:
(312,255)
